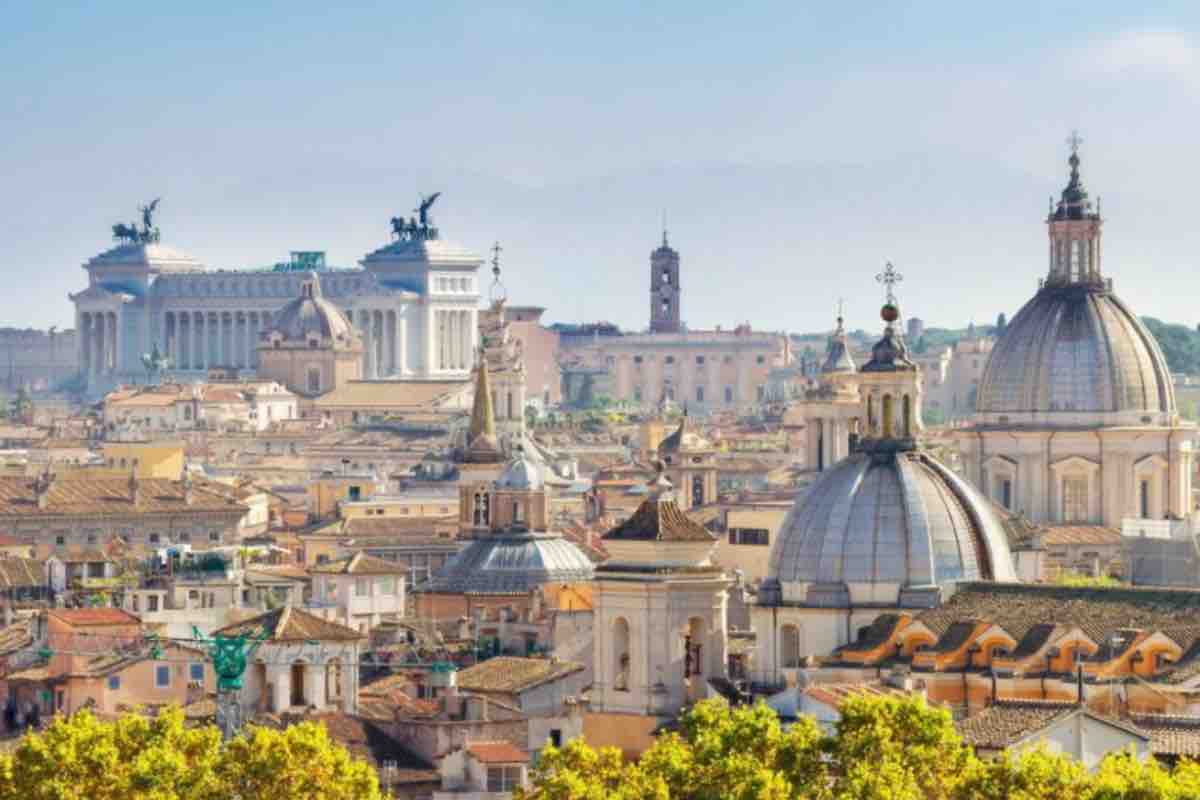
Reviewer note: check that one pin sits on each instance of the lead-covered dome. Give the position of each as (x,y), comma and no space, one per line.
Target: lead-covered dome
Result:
(888,526)
(1076,348)
(311,316)
(512,562)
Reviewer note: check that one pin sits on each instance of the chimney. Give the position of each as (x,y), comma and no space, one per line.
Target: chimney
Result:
(41,487)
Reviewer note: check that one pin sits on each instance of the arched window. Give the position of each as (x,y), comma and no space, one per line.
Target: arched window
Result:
(698,490)
(908,420)
(480,514)
(789,646)
(510,406)
(516,511)
(314,380)
(888,419)
(871,423)
(621,659)
(694,648)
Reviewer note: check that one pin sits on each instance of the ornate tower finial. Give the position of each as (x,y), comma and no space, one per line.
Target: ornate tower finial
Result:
(1073,141)
(841,315)
(889,278)
(1074,228)
(499,293)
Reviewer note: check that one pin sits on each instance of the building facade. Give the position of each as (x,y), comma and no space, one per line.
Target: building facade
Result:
(414,302)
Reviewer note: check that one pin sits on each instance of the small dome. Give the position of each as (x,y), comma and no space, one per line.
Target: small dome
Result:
(522,474)
(838,358)
(897,518)
(311,314)
(512,562)
(1076,348)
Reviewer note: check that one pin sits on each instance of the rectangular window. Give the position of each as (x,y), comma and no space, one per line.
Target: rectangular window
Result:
(197,673)
(387,586)
(1006,493)
(503,779)
(361,587)
(1144,498)
(1075,499)
(162,676)
(699,394)
(114,682)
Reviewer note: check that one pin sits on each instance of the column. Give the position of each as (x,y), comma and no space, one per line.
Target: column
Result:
(83,342)
(466,340)
(401,343)
(427,314)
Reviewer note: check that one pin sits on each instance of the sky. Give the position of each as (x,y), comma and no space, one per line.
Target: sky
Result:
(794,147)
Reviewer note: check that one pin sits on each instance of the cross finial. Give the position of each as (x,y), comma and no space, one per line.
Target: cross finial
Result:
(841,308)
(889,278)
(496,251)
(664,227)
(1074,140)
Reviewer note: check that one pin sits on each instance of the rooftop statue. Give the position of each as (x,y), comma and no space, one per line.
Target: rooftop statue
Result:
(419,228)
(147,234)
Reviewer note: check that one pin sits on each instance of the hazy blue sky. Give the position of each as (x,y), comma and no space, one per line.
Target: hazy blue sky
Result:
(794,148)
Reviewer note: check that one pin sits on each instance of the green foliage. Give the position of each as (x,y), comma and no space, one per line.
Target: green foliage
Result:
(82,758)
(881,749)
(1085,581)
(1180,344)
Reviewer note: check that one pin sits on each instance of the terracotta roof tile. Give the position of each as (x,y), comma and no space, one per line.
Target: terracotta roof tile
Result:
(291,624)
(87,617)
(1098,611)
(22,572)
(1170,735)
(360,564)
(659,518)
(1004,724)
(91,496)
(1061,535)
(497,753)
(513,674)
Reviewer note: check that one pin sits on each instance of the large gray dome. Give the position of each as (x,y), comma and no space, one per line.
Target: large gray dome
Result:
(1076,348)
(311,314)
(899,518)
(512,562)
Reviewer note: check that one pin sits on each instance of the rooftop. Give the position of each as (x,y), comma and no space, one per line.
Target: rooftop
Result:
(512,674)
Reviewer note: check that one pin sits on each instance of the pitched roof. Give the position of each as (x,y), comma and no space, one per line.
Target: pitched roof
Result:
(88,496)
(86,617)
(497,752)
(369,742)
(513,674)
(660,519)
(22,572)
(1006,723)
(360,564)
(1009,722)
(834,694)
(391,395)
(1098,611)
(1080,534)
(15,637)
(1170,735)
(290,624)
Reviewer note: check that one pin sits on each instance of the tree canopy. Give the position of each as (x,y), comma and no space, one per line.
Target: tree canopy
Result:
(1180,344)
(139,758)
(885,748)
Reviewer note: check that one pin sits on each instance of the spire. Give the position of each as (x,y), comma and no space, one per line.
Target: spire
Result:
(837,355)
(482,445)
(483,420)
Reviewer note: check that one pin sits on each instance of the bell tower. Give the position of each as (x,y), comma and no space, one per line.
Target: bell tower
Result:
(664,289)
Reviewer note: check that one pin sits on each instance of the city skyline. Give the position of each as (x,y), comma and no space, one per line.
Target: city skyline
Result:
(798,156)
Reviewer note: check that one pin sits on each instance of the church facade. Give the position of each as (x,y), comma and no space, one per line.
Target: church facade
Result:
(414,301)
